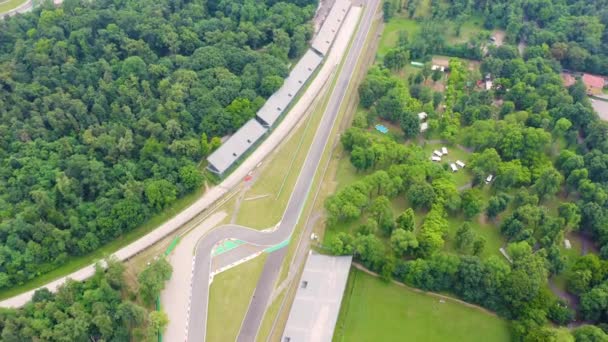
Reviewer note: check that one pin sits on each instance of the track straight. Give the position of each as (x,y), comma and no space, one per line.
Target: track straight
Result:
(271,271)
(199,301)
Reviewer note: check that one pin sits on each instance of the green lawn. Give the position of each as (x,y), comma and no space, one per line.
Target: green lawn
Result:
(373,310)
(494,240)
(7,5)
(461,177)
(346,173)
(390,35)
(229,298)
(468,30)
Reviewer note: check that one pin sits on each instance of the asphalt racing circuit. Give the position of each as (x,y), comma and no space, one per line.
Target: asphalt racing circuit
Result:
(202,264)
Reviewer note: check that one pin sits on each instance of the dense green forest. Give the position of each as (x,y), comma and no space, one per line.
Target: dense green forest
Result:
(107,107)
(542,142)
(574,32)
(103,308)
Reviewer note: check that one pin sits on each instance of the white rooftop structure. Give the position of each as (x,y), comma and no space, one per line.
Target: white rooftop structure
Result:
(231,150)
(277,102)
(437,153)
(315,309)
(567,244)
(435,158)
(422,116)
(444,150)
(454,168)
(461,164)
(489,179)
(326,35)
(424,126)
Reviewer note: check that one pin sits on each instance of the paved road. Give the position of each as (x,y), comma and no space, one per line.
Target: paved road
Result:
(272,268)
(23,8)
(201,278)
(208,199)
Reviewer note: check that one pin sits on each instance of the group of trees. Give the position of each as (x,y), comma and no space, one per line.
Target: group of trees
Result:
(408,173)
(103,308)
(575,32)
(107,107)
(537,138)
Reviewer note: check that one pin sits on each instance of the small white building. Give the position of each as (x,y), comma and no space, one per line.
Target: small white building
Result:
(489,179)
(444,150)
(437,153)
(489,85)
(436,159)
(567,244)
(424,126)
(422,116)
(454,168)
(460,164)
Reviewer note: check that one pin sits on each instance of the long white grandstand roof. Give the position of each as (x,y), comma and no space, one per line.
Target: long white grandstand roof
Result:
(235,146)
(326,35)
(277,102)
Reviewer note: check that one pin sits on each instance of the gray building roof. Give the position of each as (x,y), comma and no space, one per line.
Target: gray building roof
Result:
(233,148)
(326,35)
(315,309)
(277,102)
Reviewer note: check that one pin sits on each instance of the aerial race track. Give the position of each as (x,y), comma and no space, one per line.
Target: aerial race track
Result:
(282,232)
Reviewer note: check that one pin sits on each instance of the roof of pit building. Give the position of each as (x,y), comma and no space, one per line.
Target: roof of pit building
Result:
(326,35)
(315,309)
(277,102)
(233,148)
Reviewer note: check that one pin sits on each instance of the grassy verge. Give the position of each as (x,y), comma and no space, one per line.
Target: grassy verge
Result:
(279,175)
(229,298)
(373,310)
(75,263)
(8,5)
(269,318)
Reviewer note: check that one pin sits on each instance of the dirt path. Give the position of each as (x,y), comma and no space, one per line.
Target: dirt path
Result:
(569,298)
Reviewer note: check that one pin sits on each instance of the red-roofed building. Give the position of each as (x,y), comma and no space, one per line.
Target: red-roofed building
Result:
(594,84)
(568,79)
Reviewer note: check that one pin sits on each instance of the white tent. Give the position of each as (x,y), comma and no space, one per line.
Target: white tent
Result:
(424,126)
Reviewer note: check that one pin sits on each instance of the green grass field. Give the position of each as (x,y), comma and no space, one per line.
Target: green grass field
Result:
(390,35)
(8,5)
(229,298)
(463,176)
(468,30)
(373,310)
(494,240)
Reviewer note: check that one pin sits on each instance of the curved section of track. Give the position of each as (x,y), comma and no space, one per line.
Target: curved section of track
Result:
(201,276)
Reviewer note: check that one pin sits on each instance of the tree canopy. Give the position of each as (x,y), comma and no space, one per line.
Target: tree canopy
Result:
(107,108)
